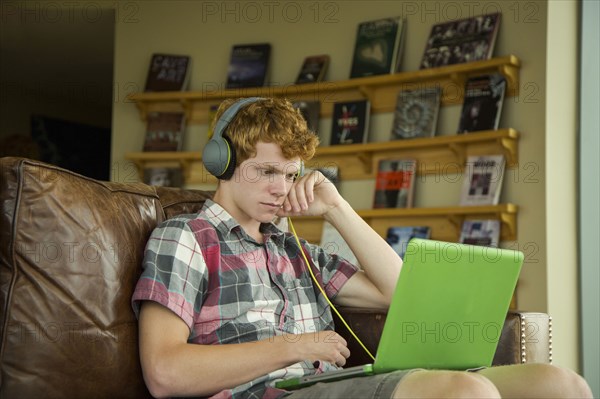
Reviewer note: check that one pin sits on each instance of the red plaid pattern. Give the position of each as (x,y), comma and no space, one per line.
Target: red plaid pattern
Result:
(229,288)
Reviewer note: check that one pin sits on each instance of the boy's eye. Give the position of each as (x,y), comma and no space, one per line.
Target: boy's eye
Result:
(291,176)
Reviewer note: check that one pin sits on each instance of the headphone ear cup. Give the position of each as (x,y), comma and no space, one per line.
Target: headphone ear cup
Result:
(230,168)
(217,156)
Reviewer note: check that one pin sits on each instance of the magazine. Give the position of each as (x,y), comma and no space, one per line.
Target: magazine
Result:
(483,100)
(482,180)
(395,183)
(399,236)
(350,122)
(416,113)
(481,232)
(464,40)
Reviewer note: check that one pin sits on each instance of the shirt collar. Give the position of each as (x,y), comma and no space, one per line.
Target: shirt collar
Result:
(225,223)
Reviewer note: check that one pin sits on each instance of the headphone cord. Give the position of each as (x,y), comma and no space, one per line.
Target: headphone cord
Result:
(323,291)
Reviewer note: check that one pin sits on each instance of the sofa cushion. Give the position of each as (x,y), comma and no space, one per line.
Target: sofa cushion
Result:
(70,257)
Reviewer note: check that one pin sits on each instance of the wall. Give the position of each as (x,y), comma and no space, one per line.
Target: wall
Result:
(207,30)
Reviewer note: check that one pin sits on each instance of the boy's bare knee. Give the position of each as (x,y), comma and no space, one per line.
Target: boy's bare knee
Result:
(448,384)
(565,383)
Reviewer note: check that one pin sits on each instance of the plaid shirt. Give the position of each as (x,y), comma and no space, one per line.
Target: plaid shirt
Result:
(229,288)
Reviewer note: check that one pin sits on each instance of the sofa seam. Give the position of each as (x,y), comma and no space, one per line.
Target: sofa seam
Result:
(11,251)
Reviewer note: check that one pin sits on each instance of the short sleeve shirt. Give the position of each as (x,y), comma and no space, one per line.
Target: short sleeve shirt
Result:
(229,288)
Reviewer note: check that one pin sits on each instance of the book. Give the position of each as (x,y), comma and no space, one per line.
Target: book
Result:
(482,181)
(399,236)
(484,232)
(463,40)
(334,244)
(378,47)
(168,72)
(313,69)
(416,113)
(350,122)
(164,177)
(248,65)
(395,183)
(482,105)
(310,111)
(164,131)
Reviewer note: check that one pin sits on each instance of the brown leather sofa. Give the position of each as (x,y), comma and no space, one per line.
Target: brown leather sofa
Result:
(70,255)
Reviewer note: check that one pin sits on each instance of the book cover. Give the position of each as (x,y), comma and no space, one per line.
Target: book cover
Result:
(482,181)
(310,111)
(416,113)
(482,105)
(248,65)
(164,177)
(334,244)
(481,232)
(164,131)
(168,72)
(464,40)
(395,183)
(350,122)
(378,47)
(399,236)
(313,69)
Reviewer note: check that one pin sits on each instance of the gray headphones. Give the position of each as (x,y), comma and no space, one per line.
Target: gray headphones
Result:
(219,155)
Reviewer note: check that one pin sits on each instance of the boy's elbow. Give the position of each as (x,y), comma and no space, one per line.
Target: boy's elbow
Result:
(157,379)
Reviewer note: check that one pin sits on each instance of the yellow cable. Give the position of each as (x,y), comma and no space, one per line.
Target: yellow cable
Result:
(323,291)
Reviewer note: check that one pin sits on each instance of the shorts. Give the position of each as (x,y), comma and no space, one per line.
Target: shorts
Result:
(378,386)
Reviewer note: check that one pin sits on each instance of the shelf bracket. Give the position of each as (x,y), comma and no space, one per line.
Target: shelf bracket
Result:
(188,108)
(186,168)
(510,150)
(368,92)
(456,221)
(509,225)
(143,108)
(511,73)
(459,152)
(456,95)
(366,158)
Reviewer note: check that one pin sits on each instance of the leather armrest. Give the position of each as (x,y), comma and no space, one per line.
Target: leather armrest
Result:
(526,336)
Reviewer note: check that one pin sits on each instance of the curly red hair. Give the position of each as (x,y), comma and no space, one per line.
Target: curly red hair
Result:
(270,120)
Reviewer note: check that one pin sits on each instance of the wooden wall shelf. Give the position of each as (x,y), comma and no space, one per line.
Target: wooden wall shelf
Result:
(445,222)
(381,90)
(436,155)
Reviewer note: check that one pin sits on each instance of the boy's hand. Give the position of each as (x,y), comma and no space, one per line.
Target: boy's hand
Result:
(311,195)
(326,346)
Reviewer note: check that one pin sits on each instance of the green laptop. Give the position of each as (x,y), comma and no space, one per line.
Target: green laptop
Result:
(447,311)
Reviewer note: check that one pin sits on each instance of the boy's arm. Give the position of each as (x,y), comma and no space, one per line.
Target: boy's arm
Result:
(173,367)
(313,194)
(375,285)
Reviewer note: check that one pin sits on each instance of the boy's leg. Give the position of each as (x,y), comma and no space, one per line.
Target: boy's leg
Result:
(444,384)
(537,381)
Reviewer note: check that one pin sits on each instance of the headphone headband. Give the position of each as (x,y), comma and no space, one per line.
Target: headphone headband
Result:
(230,113)
(219,155)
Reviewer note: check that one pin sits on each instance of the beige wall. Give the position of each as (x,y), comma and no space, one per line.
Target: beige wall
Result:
(207,30)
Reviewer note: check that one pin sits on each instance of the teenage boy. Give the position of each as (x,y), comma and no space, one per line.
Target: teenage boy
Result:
(227,305)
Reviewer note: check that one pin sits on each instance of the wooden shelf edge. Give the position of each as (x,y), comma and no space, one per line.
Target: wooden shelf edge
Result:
(507,65)
(428,142)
